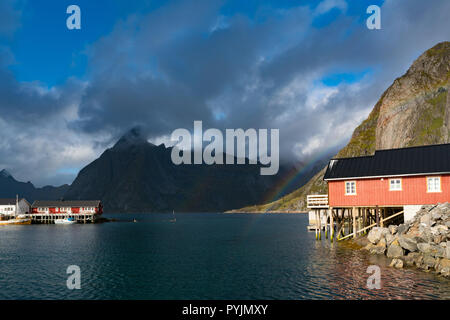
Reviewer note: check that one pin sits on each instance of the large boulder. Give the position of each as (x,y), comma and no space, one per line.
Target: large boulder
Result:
(425,234)
(435,231)
(428,262)
(442,229)
(436,215)
(426,220)
(407,243)
(412,258)
(393,229)
(403,228)
(447,250)
(439,239)
(376,234)
(443,267)
(439,252)
(432,250)
(395,250)
(379,248)
(390,238)
(424,247)
(396,263)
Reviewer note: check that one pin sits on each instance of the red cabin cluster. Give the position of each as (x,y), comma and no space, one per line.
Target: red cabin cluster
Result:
(86,207)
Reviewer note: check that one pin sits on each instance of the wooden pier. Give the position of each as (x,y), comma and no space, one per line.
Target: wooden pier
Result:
(50,218)
(349,222)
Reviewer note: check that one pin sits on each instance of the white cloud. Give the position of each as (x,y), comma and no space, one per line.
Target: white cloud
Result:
(328,5)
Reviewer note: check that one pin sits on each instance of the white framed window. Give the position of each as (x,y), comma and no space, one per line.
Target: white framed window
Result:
(350,188)
(395,184)
(434,184)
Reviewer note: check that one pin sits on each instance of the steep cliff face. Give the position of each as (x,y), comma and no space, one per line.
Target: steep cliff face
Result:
(413,111)
(416,108)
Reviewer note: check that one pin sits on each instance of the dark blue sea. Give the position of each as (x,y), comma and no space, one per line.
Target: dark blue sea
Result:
(200,256)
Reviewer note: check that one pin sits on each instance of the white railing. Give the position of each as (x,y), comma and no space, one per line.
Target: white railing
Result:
(317,201)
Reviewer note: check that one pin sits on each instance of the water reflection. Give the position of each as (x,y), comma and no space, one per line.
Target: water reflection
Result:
(200,257)
(344,276)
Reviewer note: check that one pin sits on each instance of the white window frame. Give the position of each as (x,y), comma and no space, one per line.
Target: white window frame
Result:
(351,193)
(395,189)
(428,184)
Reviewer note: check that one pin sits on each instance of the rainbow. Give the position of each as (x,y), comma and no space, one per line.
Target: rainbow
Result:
(293,176)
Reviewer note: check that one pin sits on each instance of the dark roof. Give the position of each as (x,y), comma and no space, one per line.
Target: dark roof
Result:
(432,159)
(9,201)
(66,203)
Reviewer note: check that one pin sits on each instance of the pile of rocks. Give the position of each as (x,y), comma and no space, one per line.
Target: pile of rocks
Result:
(423,242)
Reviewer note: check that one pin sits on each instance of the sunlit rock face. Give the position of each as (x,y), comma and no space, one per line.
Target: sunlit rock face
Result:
(415,110)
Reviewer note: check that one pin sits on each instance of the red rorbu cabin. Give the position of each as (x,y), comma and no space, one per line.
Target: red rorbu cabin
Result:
(86,210)
(404,178)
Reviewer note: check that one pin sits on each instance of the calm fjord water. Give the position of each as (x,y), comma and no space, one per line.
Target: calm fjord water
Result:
(201,256)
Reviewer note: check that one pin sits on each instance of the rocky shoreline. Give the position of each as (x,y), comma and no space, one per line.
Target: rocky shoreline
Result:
(423,242)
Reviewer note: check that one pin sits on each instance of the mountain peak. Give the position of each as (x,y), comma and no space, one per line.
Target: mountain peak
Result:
(4,173)
(133,137)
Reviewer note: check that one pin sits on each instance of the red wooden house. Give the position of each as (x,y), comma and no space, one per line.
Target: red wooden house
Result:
(404,178)
(87,207)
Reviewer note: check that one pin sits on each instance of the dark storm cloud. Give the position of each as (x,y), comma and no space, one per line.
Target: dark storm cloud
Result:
(27,103)
(167,69)
(186,62)
(180,72)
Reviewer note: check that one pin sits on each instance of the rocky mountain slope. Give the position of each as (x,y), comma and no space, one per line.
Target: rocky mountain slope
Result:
(10,187)
(413,111)
(137,176)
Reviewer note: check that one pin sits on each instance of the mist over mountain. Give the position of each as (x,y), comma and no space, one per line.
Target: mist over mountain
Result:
(137,176)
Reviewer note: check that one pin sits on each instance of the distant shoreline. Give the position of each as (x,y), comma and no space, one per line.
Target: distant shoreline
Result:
(269,211)
(228,212)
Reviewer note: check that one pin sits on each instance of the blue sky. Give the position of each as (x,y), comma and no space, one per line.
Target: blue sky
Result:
(310,68)
(46,51)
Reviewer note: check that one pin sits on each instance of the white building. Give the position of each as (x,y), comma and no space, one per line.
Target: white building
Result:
(12,207)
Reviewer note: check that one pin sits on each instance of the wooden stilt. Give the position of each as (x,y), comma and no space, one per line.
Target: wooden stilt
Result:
(377,216)
(316,224)
(364,218)
(350,221)
(338,223)
(354,221)
(331,224)
(320,225)
(360,219)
